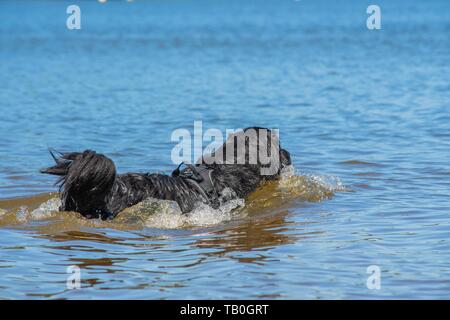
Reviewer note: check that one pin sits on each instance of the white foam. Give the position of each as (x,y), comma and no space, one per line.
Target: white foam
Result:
(287,172)
(332,183)
(22,215)
(309,187)
(46,209)
(168,215)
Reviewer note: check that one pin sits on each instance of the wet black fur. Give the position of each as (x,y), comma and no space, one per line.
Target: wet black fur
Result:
(90,185)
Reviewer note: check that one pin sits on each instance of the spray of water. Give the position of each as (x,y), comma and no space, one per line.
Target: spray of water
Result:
(165,214)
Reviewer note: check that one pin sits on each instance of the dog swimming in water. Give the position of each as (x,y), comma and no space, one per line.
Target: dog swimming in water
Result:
(90,185)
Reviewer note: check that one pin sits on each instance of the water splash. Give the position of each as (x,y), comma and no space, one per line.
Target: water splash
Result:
(46,209)
(165,214)
(309,187)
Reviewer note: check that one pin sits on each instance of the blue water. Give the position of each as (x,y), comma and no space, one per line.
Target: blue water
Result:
(367,108)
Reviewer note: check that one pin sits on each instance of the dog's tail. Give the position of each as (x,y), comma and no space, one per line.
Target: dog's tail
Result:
(86,179)
(63,162)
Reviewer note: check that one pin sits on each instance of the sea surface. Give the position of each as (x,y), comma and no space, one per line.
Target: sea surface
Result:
(364,113)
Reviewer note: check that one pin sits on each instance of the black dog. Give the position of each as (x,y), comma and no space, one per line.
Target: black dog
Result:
(89,183)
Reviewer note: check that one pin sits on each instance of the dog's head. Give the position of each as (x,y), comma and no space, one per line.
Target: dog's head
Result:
(254,147)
